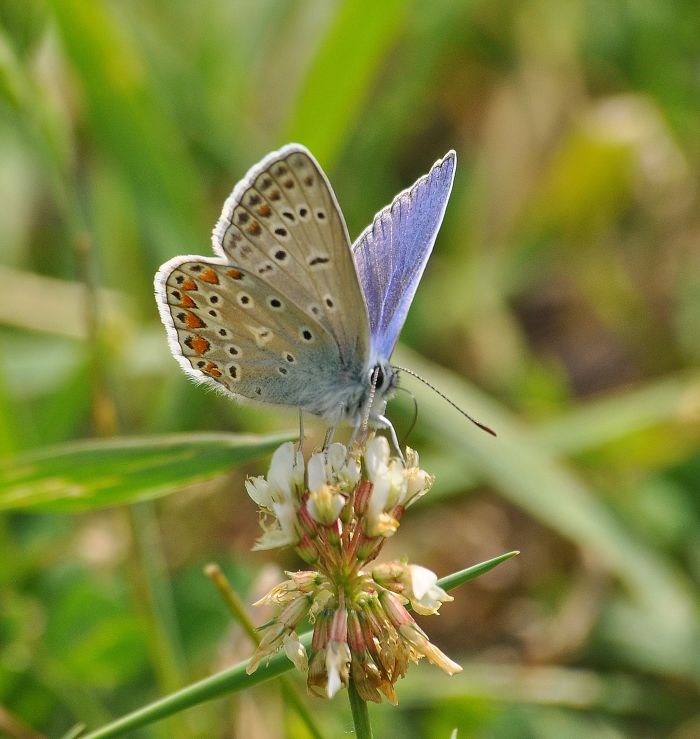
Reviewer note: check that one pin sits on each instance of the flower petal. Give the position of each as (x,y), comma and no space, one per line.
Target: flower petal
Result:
(316,471)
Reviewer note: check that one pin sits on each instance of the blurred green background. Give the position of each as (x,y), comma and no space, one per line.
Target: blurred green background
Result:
(561,306)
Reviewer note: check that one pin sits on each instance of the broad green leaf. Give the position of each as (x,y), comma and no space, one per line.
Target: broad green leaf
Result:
(94,474)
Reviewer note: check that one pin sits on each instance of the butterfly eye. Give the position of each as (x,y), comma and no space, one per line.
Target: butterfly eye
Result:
(378,376)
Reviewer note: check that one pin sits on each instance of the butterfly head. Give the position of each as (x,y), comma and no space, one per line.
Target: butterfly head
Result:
(382,381)
(384,378)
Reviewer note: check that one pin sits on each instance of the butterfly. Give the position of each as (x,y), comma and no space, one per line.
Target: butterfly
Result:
(288,312)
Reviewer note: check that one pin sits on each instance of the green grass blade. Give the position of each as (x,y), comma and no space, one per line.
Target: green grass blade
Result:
(537,481)
(602,420)
(122,102)
(94,474)
(459,578)
(333,95)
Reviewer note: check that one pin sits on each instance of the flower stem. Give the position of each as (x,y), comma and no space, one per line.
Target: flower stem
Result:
(237,607)
(360,714)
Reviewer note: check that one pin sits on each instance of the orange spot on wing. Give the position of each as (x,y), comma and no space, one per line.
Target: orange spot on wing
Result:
(189,284)
(254,228)
(210,276)
(264,210)
(212,369)
(198,344)
(236,274)
(187,302)
(193,321)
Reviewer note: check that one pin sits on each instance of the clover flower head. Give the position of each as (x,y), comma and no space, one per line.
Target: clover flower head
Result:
(337,511)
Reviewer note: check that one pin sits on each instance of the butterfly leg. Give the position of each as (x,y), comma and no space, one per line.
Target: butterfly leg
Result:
(301,429)
(330,433)
(353,437)
(394,439)
(329,437)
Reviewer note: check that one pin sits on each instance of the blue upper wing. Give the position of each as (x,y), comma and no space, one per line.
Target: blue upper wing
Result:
(391,253)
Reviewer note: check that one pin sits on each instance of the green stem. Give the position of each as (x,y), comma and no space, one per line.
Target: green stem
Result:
(360,714)
(227,681)
(237,607)
(168,655)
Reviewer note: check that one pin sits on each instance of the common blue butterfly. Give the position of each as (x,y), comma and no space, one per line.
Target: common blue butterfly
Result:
(288,311)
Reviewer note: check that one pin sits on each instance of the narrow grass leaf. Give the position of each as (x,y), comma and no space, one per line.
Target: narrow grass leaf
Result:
(122,103)
(94,474)
(537,481)
(341,76)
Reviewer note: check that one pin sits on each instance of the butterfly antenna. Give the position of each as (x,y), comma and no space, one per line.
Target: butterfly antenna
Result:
(482,426)
(414,420)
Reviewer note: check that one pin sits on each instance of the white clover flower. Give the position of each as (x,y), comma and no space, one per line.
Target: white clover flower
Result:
(316,472)
(338,523)
(337,666)
(286,474)
(349,474)
(418,481)
(258,489)
(283,531)
(335,457)
(389,488)
(416,637)
(325,504)
(376,458)
(376,464)
(296,652)
(342,468)
(397,483)
(425,594)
